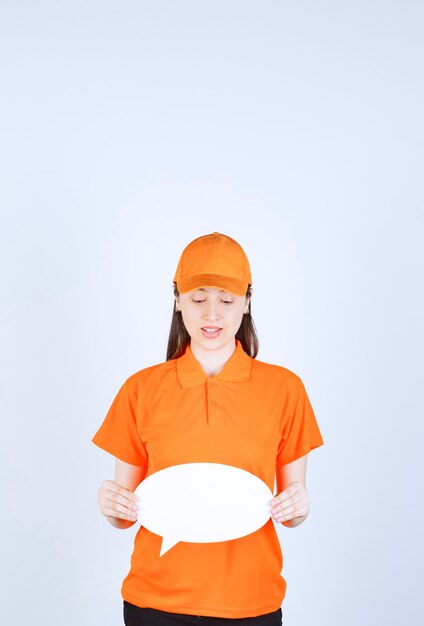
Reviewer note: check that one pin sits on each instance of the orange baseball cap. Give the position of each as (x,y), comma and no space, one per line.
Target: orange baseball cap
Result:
(214,260)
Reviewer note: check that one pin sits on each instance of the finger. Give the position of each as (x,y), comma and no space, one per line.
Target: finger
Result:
(113,491)
(289,503)
(116,507)
(120,499)
(111,485)
(287,493)
(300,504)
(113,497)
(288,497)
(119,512)
(291,513)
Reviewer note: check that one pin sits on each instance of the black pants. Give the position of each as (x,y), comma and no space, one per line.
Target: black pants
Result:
(136,616)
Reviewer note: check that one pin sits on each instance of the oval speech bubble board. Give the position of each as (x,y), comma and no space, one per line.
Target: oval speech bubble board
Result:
(202,503)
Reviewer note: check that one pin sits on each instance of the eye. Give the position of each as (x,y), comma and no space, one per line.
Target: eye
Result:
(223,301)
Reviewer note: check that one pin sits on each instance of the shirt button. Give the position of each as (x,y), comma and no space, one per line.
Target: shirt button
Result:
(214,402)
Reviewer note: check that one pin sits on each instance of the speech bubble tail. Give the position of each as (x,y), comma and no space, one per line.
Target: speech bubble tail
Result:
(167,543)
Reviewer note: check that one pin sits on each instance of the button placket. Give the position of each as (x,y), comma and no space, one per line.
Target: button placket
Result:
(214,413)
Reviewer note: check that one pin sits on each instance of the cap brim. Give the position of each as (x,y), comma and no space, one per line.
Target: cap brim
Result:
(233,285)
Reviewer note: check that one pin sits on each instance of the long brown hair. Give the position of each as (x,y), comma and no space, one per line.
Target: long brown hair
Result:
(179,337)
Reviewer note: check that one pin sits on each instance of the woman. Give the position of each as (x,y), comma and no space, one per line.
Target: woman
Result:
(210,401)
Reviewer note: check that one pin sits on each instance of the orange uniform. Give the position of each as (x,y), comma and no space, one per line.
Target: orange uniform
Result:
(252,415)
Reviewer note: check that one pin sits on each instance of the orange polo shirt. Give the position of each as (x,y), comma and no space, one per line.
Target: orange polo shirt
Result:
(252,415)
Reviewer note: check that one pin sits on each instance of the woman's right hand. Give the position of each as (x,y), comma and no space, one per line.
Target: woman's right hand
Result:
(117,503)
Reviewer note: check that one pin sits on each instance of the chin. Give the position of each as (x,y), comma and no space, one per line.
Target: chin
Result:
(215,344)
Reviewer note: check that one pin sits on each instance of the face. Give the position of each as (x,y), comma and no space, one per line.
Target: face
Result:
(215,309)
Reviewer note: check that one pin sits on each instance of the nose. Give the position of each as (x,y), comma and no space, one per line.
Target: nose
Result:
(211,312)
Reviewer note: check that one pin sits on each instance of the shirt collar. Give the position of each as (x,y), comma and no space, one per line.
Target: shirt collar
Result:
(191,373)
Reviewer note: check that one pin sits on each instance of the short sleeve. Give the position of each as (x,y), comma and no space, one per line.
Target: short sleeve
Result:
(300,431)
(118,433)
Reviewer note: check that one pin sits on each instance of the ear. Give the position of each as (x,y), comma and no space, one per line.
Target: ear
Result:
(248,298)
(177,303)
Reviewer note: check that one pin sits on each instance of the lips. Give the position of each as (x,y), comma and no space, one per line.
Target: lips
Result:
(211,331)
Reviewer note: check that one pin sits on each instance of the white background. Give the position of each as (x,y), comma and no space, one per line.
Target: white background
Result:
(130,128)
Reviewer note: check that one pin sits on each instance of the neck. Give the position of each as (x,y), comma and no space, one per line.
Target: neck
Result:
(212,361)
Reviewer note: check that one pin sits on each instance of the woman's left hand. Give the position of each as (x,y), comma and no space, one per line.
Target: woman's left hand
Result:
(290,504)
